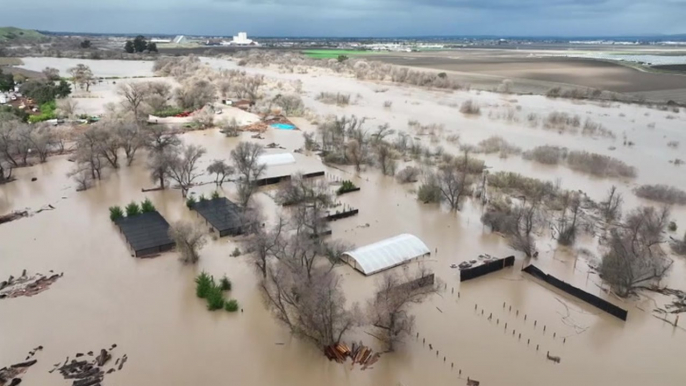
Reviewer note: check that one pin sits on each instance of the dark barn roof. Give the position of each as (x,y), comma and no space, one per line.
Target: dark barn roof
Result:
(146,233)
(222,214)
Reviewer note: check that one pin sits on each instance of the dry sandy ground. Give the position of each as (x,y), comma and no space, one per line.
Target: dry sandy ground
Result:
(148,307)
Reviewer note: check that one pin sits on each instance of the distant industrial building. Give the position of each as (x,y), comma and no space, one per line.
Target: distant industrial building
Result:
(180,40)
(241,40)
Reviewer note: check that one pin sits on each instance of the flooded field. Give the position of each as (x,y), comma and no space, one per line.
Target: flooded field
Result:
(540,69)
(148,307)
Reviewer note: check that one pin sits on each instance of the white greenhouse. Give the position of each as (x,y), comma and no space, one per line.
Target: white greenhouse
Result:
(386,254)
(276,159)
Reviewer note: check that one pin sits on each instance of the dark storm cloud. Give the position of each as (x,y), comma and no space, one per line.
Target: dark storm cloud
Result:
(353,17)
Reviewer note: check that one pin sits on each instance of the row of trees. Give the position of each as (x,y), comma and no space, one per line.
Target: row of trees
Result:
(139,44)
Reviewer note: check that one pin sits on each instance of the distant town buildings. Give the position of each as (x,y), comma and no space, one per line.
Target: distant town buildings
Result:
(180,40)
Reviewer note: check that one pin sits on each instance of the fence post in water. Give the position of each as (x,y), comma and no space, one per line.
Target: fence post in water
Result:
(503,304)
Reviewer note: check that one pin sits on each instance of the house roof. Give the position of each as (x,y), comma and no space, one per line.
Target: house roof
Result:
(388,253)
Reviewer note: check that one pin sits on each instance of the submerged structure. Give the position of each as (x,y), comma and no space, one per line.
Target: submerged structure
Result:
(146,233)
(386,254)
(221,214)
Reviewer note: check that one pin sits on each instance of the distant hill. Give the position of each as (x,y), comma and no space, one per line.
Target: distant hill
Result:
(13,33)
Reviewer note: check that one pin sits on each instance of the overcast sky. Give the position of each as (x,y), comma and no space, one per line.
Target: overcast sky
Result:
(352,17)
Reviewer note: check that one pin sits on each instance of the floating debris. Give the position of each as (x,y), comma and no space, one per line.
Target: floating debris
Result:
(11,376)
(359,353)
(26,285)
(89,372)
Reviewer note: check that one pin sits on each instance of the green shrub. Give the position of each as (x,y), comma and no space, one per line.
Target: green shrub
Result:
(47,112)
(225,284)
(429,192)
(190,201)
(116,213)
(202,198)
(204,285)
(132,209)
(236,252)
(215,298)
(231,305)
(672,226)
(215,194)
(346,186)
(147,206)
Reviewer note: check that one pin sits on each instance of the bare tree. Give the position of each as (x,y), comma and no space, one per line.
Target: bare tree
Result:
(157,96)
(204,118)
(82,76)
(291,105)
(453,185)
(567,224)
(222,171)
(189,239)
(107,143)
(183,168)
(229,127)
(83,177)
(525,222)
(160,139)
(389,311)
(385,158)
(131,138)
(263,245)
(249,87)
(311,308)
(354,152)
(611,207)
(246,161)
(635,256)
(88,152)
(5,172)
(51,74)
(66,107)
(195,93)
(41,139)
(159,164)
(134,95)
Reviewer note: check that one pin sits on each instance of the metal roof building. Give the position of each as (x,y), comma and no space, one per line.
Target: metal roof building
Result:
(223,215)
(386,254)
(146,233)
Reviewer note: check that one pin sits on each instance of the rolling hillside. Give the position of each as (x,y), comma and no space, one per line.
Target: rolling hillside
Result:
(13,33)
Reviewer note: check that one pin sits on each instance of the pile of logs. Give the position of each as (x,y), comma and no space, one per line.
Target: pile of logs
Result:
(359,353)
(89,372)
(26,285)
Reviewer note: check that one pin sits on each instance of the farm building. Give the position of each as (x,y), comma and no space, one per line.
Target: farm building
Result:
(223,215)
(146,233)
(386,254)
(282,166)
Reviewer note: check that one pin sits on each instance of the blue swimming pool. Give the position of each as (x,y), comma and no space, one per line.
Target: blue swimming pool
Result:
(283,126)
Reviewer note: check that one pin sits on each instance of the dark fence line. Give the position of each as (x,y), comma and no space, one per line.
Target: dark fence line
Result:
(492,266)
(576,292)
(321,234)
(276,180)
(338,216)
(413,285)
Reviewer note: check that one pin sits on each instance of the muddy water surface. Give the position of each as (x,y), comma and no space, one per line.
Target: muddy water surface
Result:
(149,309)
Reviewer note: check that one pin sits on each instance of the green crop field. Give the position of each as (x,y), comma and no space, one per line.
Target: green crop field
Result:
(12,33)
(333,54)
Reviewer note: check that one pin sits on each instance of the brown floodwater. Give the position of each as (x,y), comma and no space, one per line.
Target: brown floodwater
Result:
(149,309)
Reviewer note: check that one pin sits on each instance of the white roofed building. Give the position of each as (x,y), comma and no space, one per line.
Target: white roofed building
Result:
(276,159)
(386,254)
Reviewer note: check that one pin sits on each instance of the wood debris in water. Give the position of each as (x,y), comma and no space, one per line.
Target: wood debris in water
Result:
(26,285)
(359,354)
(91,372)
(11,376)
